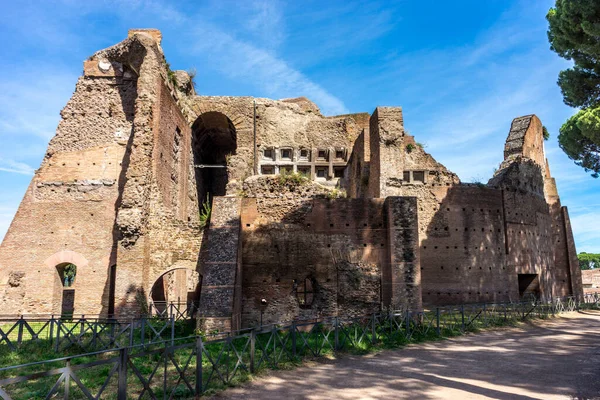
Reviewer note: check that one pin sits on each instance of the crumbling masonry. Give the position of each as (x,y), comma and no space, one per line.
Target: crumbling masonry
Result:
(311,215)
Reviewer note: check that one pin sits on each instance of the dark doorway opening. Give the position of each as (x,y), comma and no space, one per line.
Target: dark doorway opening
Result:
(529,286)
(67,273)
(214,139)
(177,291)
(68,304)
(111,290)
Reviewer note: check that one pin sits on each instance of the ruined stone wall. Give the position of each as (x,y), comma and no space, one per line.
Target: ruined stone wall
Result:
(291,233)
(463,249)
(221,268)
(68,212)
(356,176)
(116,188)
(386,139)
(173,233)
(475,239)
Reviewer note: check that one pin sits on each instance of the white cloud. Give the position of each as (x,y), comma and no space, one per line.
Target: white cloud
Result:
(16,167)
(265,20)
(242,61)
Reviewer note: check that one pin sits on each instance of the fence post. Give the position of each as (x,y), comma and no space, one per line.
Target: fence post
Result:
(293,327)
(199,365)
(172,331)
(253,349)
(337,334)
(373,330)
(52,329)
(68,379)
(20,334)
(57,335)
(462,314)
(407,323)
(143,331)
(122,383)
(95,333)
(131,333)
(112,332)
(437,321)
(485,317)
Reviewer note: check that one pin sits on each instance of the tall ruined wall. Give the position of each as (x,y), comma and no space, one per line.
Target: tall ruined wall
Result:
(291,233)
(68,212)
(478,243)
(173,232)
(356,177)
(386,150)
(539,234)
(114,194)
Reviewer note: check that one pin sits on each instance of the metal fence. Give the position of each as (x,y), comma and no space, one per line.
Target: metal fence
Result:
(83,333)
(95,332)
(175,310)
(188,367)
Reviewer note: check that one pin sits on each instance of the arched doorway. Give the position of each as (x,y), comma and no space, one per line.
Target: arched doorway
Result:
(214,138)
(67,273)
(177,291)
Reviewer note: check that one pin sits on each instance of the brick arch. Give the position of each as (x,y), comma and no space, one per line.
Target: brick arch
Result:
(66,256)
(156,290)
(240,121)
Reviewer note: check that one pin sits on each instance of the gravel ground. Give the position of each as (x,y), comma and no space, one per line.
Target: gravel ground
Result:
(554,359)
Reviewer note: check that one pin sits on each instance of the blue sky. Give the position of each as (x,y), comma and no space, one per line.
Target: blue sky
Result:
(461,71)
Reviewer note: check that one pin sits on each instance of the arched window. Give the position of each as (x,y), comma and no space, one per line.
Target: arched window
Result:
(67,273)
(306,293)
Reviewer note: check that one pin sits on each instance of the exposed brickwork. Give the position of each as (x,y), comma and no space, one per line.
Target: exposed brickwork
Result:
(137,153)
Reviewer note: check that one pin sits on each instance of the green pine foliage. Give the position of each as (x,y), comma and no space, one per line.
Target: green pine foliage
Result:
(574,34)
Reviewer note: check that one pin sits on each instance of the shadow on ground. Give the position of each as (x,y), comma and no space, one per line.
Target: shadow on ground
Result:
(542,360)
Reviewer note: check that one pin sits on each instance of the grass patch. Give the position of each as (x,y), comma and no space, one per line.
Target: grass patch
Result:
(227,361)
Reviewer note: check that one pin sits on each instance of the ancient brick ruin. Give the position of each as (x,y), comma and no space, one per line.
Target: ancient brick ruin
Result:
(311,215)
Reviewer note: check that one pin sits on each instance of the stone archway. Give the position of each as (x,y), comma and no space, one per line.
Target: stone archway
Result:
(178,288)
(214,140)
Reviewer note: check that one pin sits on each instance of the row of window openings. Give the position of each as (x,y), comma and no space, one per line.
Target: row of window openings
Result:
(302,154)
(320,172)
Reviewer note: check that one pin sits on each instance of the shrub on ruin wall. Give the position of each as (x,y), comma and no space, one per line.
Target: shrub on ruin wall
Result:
(292,179)
(205,212)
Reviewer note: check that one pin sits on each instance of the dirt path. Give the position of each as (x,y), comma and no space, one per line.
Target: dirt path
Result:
(557,359)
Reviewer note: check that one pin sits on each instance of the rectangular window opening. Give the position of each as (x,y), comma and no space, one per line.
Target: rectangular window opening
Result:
(418,176)
(267,170)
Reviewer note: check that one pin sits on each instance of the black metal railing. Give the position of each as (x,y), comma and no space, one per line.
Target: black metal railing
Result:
(188,367)
(176,310)
(96,332)
(84,333)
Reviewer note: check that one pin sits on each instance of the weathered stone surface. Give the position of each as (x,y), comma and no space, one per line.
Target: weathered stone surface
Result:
(137,155)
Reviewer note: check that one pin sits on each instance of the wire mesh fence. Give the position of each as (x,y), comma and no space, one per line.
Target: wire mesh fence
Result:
(196,365)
